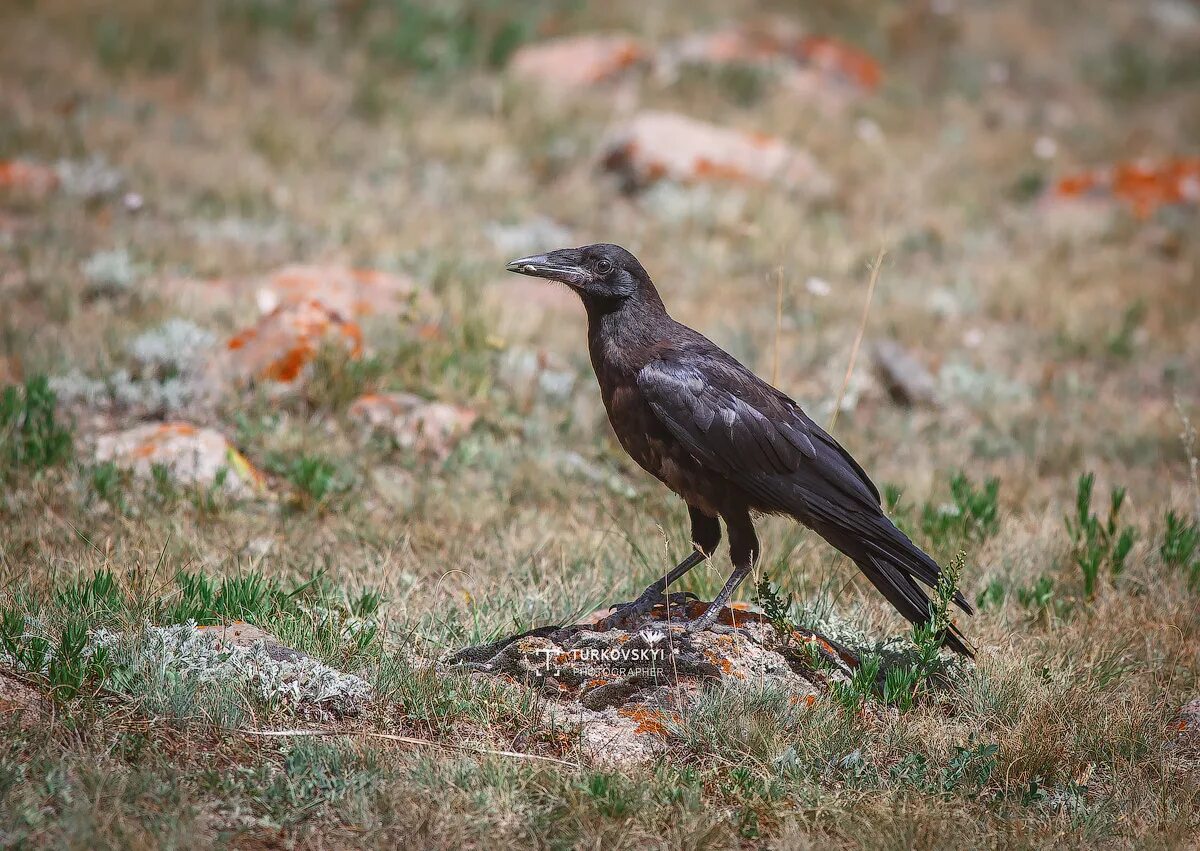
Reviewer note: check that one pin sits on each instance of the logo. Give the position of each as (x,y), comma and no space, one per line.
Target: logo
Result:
(615,661)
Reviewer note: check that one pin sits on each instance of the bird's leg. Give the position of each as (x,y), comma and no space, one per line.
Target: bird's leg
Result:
(706,534)
(743,551)
(628,614)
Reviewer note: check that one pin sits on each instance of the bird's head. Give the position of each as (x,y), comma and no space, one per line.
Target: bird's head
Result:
(603,272)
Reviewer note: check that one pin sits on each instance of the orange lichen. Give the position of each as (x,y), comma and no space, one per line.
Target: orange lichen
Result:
(164,432)
(651,721)
(1144,186)
(28,177)
(706,169)
(833,55)
(287,368)
(285,340)
(576,61)
(724,664)
(346,292)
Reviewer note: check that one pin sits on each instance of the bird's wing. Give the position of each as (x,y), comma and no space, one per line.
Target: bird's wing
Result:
(750,433)
(743,429)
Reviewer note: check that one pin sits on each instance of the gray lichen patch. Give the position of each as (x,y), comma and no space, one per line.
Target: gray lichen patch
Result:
(264,670)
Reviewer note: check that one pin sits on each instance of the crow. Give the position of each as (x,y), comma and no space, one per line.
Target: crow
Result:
(727,442)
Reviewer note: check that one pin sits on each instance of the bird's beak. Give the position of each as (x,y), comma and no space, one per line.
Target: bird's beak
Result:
(549,267)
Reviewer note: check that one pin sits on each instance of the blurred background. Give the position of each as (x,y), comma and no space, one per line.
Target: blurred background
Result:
(260,360)
(272,233)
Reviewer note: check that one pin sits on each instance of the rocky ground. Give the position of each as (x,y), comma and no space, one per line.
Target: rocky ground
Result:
(305,502)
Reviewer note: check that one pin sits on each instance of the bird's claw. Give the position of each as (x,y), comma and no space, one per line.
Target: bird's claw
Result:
(627,616)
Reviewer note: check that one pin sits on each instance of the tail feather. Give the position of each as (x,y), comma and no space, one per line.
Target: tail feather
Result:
(894,564)
(909,599)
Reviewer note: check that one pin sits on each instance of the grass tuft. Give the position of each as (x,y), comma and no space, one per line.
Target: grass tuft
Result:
(31,438)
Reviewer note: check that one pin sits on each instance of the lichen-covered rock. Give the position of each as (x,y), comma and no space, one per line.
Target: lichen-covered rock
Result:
(245,657)
(302,308)
(1189,716)
(429,428)
(342,291)
(191,455)
(840,60)
(1142,185)
(345,291)
(576,62)
(625,688)
(657,145)
(281,345)
(27,179)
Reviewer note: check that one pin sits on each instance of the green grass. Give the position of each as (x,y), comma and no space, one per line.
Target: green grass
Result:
(1098,546)
(384,134)
(31,437)
(1180,547)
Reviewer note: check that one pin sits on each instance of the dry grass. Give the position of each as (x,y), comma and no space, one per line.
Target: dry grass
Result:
(292,132)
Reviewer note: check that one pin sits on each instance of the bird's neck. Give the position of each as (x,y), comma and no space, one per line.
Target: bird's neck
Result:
(618,330)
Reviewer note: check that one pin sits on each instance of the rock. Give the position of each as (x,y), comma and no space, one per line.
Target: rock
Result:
(839,60)
(626,688)
(346,292)
(663,145)
(302,307)
(192,455)
(248,658)
(1188,721)
(576,62)
(242,634)
(428,428)
(27,179)
(906,379)
(958,379)
(1142,185)
(1076,219)
(281,344)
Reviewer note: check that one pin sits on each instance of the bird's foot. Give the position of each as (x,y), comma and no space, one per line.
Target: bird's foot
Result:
(628,616)
(706,620)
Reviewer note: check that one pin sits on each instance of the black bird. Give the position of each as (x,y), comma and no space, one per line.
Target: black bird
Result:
(726,441)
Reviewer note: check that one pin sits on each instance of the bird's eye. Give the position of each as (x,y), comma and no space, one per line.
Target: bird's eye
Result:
(602,267)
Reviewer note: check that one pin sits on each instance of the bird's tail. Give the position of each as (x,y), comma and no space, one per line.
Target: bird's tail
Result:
(899,568)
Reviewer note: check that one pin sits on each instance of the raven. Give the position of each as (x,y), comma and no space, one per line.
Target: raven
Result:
(726,441)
